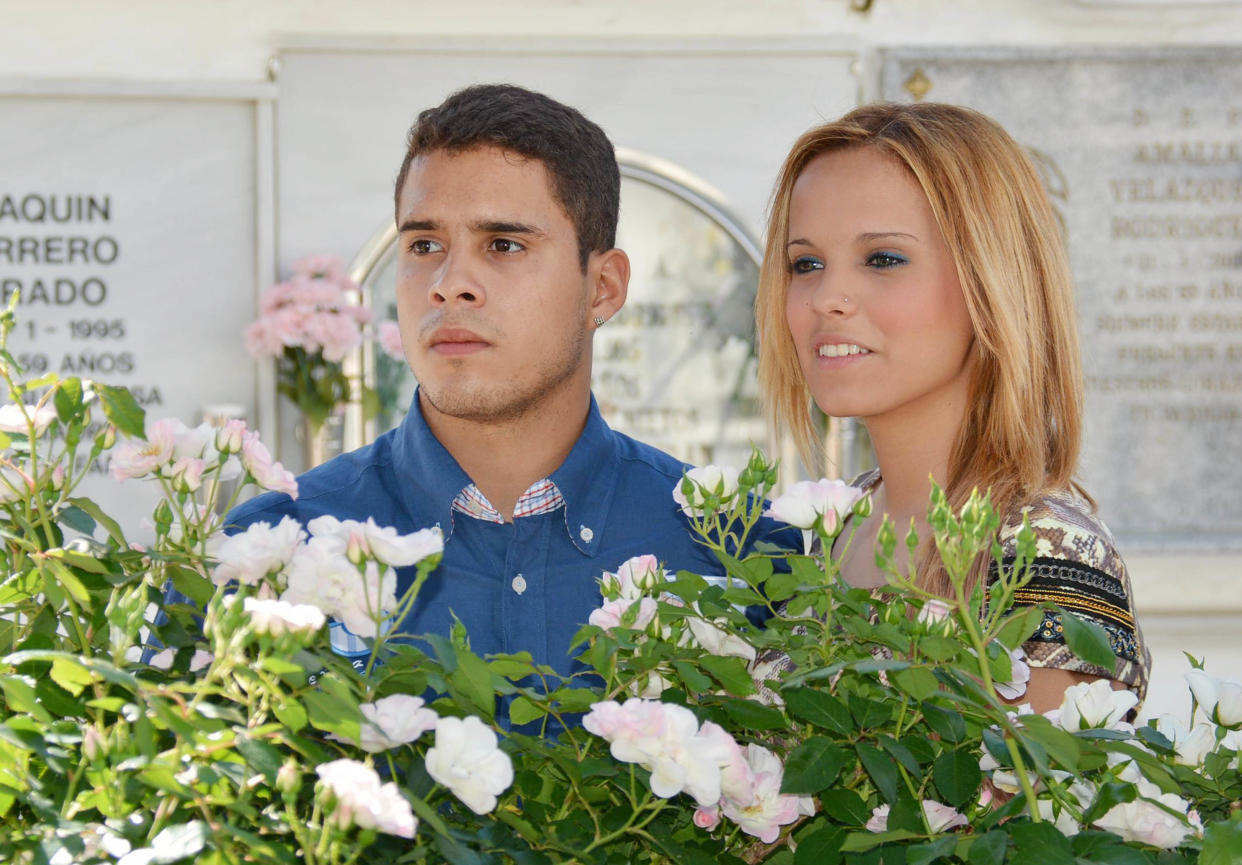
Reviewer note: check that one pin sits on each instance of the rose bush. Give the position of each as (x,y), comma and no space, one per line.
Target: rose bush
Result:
(851,727)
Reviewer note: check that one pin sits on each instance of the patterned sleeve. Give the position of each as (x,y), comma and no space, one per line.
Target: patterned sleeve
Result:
(1077,567)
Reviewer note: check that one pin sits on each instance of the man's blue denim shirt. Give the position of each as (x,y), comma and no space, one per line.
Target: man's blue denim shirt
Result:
(618,504)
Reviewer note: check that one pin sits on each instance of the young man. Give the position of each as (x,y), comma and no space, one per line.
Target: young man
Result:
(507,209)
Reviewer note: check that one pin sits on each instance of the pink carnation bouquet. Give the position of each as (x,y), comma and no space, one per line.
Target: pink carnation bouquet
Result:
(310,323)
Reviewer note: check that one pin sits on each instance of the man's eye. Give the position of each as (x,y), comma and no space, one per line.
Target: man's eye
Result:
(805,264)
(504,244)
(885,260)
(423,246)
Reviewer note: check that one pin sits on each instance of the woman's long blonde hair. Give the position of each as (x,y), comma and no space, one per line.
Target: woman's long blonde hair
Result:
(1022,429)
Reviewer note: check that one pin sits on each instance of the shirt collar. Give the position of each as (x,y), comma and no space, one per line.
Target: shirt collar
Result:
(587,479)
(419,456)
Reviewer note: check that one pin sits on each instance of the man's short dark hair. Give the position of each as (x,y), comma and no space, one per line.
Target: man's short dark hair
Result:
(576,153)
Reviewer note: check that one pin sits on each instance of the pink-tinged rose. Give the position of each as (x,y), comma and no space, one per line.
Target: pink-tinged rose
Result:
(267,473)
(388,335)
(942,818)
(394,721)
(639,575)
(230,436)
(1145,821)
(262,340)
(807,502)
(400,551)
(187,474)
(136,459)
(707,818)
(467,759)
(1094,704)
(704,482)
(357,797)
(1220,699)
(249,556)
(335,333)
(13,418)
(769,810)
(934,611)
(277,296)
(194,442)
(737,781)
(269,616)
(879,819)
(610,615)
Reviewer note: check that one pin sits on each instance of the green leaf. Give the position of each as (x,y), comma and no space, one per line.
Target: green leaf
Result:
(68,399)
(515,666)
(474,680)
(939,648)
(820,847)
(813,766)
(755,716)
(1019,625)
(881,769)
(71,675)
(868,713)
(845,806)
(732,674)
(919,682)
(291,714)
(110,525)
(1109,796)
(1039,844)
(179,842)
(957,777)
(21,697)
(78,520)
(1087,640)
(1222,843)
(782,586)
(949,725)
(858,841)
(924,854)
(523,711)
(123,410)
(694,680)
(988,849)
(1061,745)
(819,709)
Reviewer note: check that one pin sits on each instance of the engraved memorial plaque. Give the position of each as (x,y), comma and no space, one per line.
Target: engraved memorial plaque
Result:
(127,229)
(1142,154)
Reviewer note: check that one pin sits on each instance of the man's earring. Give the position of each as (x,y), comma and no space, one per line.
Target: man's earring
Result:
(599,321)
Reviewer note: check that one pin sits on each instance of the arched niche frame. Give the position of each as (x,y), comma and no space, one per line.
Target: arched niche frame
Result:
(676,367)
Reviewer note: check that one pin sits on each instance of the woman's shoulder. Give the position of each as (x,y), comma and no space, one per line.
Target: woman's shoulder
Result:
(1066,528)
(1078,568)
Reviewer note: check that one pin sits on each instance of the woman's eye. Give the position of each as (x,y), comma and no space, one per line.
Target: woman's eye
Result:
(423,246)
(805,264)
(503,244)
(885,260)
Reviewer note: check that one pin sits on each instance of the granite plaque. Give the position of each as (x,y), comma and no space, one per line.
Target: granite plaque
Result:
(1142,153)
(127,229)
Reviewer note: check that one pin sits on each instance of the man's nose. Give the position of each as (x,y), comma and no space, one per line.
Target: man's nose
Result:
(457,281)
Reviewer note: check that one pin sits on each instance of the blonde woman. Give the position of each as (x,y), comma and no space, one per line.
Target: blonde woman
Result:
(915,278)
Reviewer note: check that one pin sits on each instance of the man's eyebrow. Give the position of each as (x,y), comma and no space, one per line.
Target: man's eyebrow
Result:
(418,225)
(503,227)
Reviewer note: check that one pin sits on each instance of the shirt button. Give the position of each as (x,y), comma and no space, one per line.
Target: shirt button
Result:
(519,584)
(586,534)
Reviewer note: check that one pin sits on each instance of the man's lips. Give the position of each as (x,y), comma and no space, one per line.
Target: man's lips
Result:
(455,341)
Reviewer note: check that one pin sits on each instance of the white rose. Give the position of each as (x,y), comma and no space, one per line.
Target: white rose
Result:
(716,640)
(270,616)
(1191,745)
(13,418)
(393,721)
(320,575)
(368,599)
(1020,674)
(467,759)
(249,556)
(1148,823)
(400,551)
(1220,699)
(1094,704)
(806,502)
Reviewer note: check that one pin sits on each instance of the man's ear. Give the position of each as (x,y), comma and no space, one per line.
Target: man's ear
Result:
(610,280)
